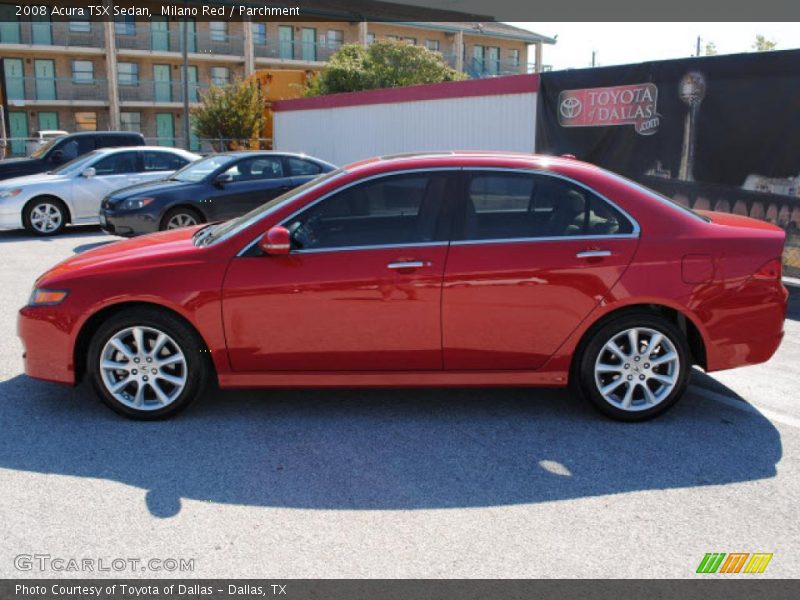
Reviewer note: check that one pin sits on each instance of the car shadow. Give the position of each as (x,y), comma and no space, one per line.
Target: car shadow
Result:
(381,450)
(22,235)
(85,247)
(793,311)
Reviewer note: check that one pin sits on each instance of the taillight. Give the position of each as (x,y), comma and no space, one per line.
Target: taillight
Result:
(770,270)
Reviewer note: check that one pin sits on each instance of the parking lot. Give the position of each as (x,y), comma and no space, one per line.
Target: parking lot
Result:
(402,483)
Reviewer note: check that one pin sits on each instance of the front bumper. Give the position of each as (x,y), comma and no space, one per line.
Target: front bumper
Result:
(48,348)
(127,223)
(10,218)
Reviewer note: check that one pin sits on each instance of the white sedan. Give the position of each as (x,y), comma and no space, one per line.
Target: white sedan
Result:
(44,203)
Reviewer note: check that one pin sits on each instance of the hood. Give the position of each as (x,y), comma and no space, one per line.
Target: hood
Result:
(164,247)
(147,188)
(26,180)
(10,166)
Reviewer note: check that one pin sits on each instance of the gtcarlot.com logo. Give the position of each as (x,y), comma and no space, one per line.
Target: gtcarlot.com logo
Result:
(47,562)
(734,562)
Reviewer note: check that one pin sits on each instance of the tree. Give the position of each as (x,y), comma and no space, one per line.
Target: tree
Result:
(383,64)
(233,113)
(710,49)
(762,44)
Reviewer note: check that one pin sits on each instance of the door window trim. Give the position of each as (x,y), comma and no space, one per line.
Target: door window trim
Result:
(560,238)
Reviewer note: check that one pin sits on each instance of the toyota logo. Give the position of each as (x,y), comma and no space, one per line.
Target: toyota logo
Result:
(570,107)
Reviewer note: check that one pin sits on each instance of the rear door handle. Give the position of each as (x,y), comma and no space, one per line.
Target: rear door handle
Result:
(410,264)
(593,253)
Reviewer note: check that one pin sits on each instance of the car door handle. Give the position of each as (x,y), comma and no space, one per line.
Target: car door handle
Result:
(409,264)
(593,253)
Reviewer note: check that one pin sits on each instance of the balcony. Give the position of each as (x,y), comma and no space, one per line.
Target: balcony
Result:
(144,38)
(159,92)
(479,69)
(289,50)
(42,91)
(75,35)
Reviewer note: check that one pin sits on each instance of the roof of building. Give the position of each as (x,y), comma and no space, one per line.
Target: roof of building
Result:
(491,28)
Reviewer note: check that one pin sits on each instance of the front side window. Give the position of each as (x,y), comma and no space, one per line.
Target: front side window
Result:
(120,163)
(127,73)
(392,210)
(257,167)
(525,205)
(82,71)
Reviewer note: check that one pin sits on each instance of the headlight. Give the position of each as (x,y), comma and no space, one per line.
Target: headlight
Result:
(136,203)
(10,193)
(45,297)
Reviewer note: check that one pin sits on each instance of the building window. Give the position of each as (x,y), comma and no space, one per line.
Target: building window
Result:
(125,25)
(370,38)
(219,31)
(514,55)
(285,41)
(260,33)
(432,45)
(392,38)
(335,39)
(86,121)
(82,71)
(80,25)
(127,73)
(220,75)
(410,40)
(130,121)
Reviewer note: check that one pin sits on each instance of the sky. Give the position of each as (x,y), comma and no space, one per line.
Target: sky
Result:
(622,43)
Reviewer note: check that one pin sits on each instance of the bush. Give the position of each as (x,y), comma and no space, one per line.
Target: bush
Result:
(234,113)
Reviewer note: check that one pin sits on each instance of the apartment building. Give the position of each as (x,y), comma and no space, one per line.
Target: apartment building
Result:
(61,75)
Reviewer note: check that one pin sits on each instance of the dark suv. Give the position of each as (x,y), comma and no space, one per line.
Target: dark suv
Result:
(63,149)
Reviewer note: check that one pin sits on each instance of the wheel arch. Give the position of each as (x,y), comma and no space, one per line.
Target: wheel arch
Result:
(181,204)
(47,196)
(90,326)
(686,323)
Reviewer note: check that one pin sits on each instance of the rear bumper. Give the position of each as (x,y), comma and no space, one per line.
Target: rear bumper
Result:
(47,347)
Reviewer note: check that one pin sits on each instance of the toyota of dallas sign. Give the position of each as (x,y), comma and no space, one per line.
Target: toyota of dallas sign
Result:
(617,105)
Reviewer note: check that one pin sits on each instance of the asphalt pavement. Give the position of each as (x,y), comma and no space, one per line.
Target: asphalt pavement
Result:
(399,483)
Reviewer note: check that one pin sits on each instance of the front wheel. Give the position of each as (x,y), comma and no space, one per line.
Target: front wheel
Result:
(635,367)
(181,217)
(147,365)
(45,216)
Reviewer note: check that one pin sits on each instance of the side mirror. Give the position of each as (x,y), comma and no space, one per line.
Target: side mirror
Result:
(57,156)
(223,178)
(276,241)
(88,173)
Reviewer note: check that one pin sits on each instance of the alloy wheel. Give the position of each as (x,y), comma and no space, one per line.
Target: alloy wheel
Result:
(46,217)
(143,368)
(637,369)
(181,220)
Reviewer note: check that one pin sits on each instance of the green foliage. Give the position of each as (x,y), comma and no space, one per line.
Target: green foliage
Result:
(762,44)
(234,112)
(383,64)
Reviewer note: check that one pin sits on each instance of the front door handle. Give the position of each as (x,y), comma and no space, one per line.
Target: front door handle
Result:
(411,264)
(593,253)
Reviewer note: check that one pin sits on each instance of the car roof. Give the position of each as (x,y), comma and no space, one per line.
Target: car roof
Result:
(110,133)
(112,149)
(268,153)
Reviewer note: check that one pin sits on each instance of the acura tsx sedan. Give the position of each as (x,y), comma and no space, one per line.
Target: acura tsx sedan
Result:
(452,269)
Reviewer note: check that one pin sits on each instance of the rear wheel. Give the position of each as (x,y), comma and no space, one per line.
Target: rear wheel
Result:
(45,216)
(635,367)
(147,365)
(181,217)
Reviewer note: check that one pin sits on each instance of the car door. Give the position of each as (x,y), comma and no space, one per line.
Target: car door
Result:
(253,180)
(360,289)
(533,254)
(111,172)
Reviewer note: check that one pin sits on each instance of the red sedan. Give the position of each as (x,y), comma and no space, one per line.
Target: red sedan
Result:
(452,269)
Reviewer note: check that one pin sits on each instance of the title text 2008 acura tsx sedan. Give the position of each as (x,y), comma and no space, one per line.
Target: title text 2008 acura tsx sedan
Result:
(454,269)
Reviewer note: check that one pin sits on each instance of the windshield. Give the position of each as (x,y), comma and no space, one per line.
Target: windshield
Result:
(42,150)
(228,228)
(76,165)
(200,169)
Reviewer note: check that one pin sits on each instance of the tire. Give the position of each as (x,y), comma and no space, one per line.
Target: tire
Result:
(182,216)
(166,389)
(45,216)
(657,376)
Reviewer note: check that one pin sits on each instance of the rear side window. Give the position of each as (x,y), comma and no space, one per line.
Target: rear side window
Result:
(111,141)
(392,210)
(524,205)
(299,167)
(162,161)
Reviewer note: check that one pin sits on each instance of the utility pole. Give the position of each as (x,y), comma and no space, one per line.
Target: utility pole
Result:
(594,52)
(698,46)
